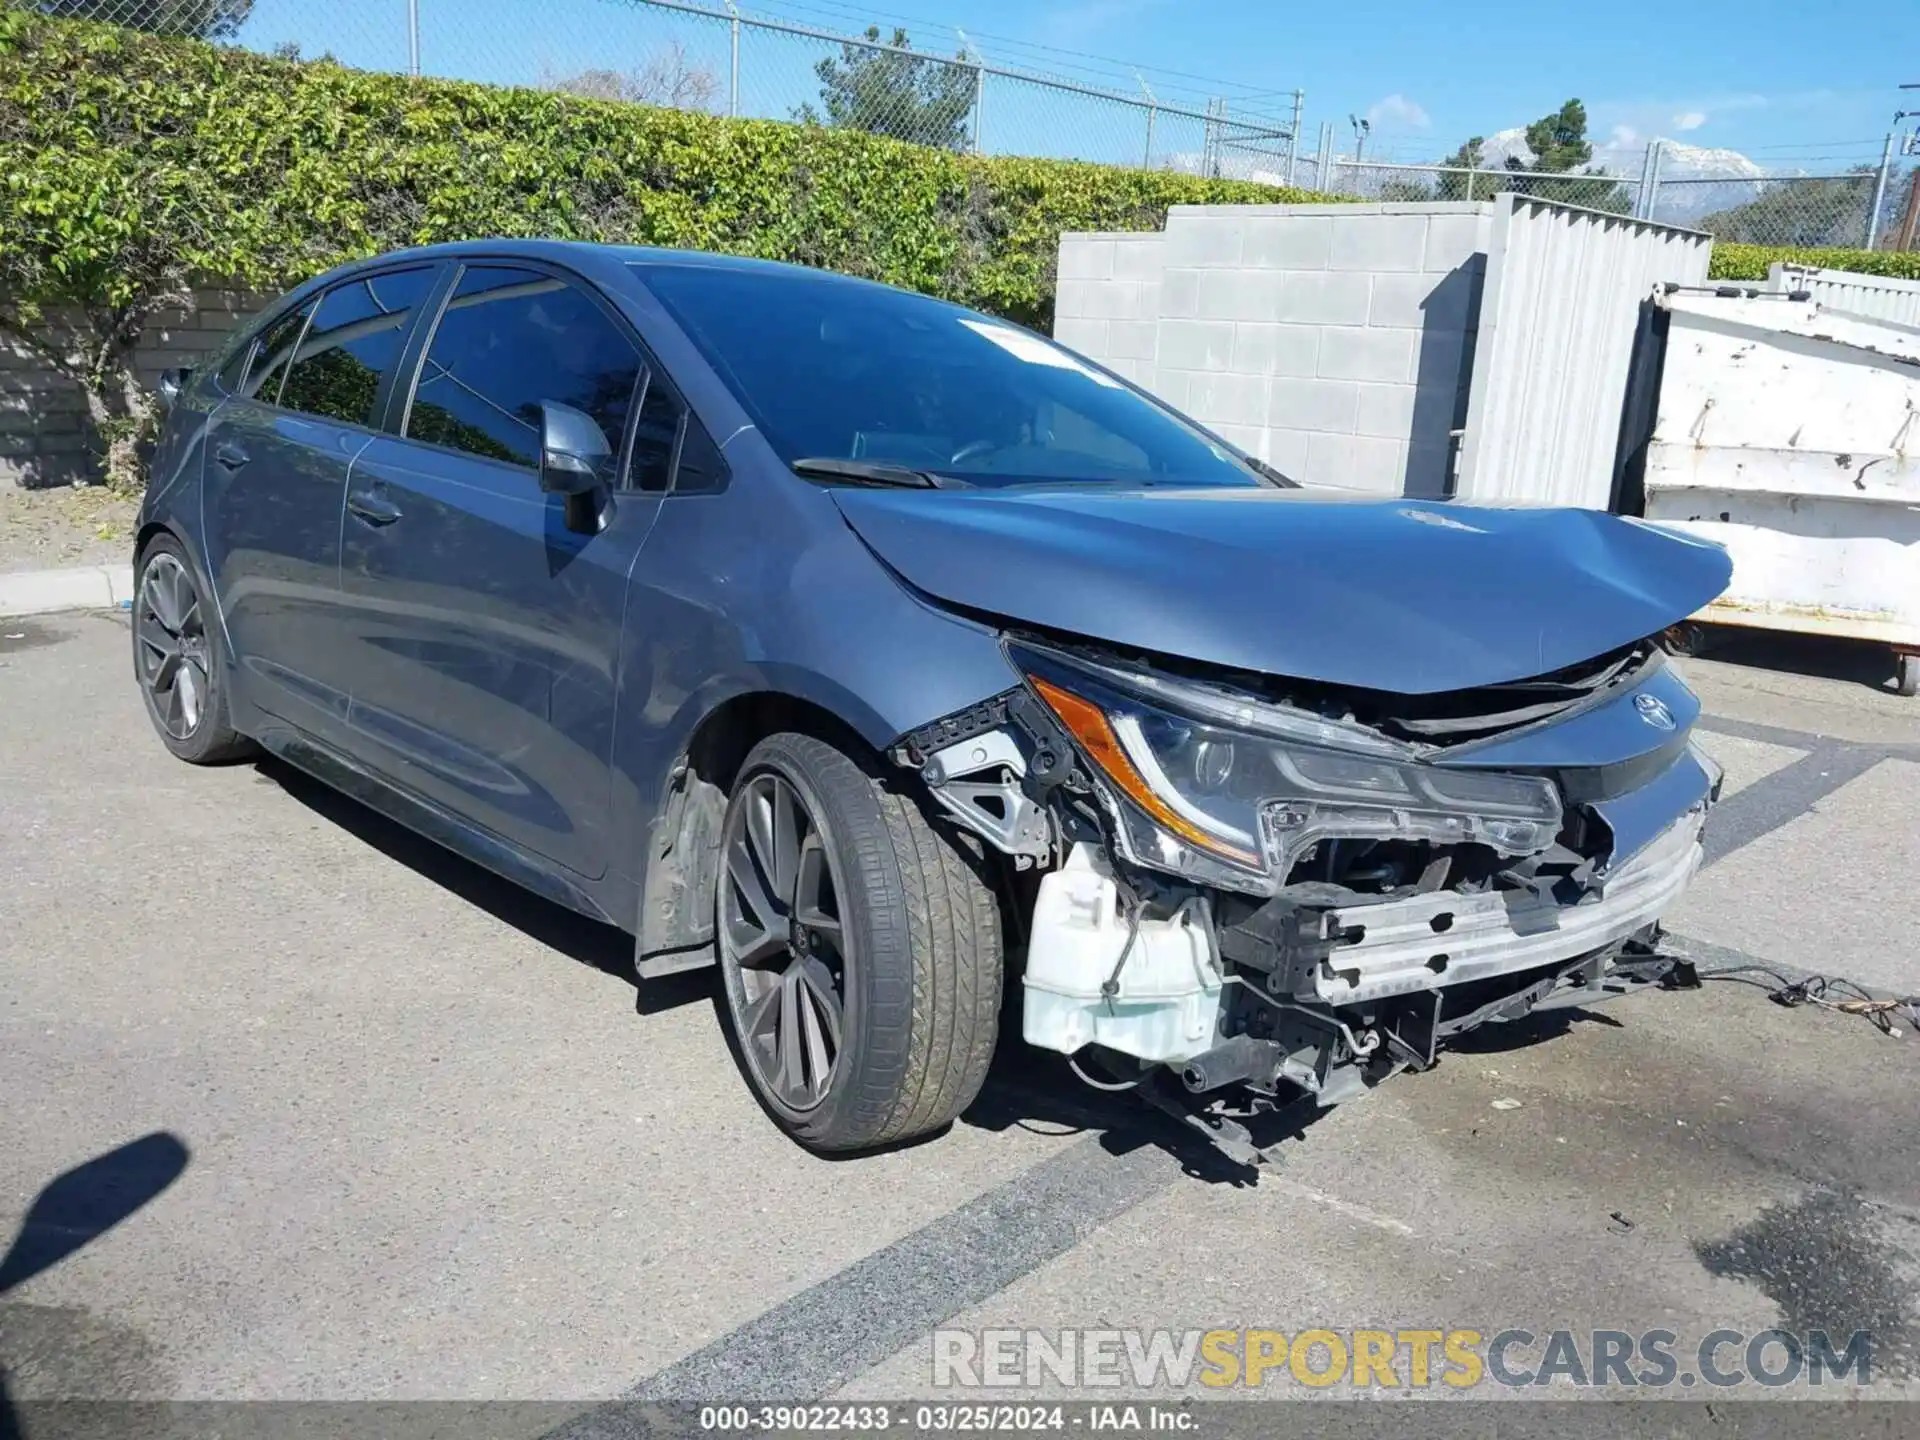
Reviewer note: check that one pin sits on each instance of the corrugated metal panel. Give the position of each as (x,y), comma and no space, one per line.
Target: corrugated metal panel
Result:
(1875,296)
(1562,304)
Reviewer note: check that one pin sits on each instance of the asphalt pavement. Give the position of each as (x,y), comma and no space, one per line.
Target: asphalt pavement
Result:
(403,1132)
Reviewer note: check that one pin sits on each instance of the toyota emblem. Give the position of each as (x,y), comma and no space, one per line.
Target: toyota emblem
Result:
(1654,711)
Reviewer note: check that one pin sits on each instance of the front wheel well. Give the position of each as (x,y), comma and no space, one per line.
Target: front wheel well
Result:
(149,532)
(683,852)
(722,741)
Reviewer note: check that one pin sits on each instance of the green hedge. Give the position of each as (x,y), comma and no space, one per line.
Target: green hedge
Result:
(1751,262)
(265,170)
(130,163)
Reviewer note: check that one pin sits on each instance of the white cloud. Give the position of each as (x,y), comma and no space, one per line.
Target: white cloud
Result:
(1396,111)
(1623,136)
(1682,114)
(1678,114)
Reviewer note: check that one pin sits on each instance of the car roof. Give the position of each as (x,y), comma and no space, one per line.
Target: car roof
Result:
(581,254)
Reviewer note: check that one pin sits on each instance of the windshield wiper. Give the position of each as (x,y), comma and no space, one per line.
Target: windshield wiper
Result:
(1267,472)
(869,472)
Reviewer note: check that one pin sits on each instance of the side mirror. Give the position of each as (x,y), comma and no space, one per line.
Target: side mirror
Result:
(575,458)
(172,382)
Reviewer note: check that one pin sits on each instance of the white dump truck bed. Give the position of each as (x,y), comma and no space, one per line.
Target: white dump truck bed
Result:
(1791,434)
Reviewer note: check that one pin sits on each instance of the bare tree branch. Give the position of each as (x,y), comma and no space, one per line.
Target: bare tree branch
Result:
(666,78)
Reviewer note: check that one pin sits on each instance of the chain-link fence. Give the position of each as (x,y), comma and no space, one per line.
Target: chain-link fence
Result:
(730,62)
(1379,180)
(1813,210)
(1862,208)
(725,61)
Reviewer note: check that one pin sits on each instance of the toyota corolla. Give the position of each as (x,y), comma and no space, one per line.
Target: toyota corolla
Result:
(889,657)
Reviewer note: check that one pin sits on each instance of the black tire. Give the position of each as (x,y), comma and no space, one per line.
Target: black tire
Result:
(210,738)
(920,950)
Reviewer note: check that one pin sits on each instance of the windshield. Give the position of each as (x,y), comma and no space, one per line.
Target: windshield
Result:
(837,371)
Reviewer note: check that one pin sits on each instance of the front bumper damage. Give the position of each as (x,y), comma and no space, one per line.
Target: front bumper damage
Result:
(1427,942)
(1326,983)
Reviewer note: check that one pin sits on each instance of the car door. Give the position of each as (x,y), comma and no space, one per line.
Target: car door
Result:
(488,632)
(304,404)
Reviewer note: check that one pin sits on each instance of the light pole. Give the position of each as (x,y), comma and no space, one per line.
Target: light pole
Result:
(1361,129)
(1886,171)
(733,60)
(967,47)
(1293,139)
(1153,109)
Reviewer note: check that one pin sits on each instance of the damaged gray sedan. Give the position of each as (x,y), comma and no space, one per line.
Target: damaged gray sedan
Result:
(898,661)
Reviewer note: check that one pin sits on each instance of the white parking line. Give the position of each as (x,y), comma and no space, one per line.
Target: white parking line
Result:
(1334,1203)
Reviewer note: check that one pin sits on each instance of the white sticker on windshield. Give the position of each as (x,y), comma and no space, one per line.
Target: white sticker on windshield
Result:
(1035,351)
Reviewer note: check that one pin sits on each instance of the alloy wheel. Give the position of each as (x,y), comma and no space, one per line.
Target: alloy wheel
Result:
(782,937)
(170,631)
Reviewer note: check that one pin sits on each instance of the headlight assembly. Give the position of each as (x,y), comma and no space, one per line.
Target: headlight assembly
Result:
(1233,792)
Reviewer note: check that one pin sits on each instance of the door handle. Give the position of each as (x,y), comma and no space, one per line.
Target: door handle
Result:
(229,456)
(372,508)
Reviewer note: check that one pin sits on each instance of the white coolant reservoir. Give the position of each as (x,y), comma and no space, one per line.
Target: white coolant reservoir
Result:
(1166,1006)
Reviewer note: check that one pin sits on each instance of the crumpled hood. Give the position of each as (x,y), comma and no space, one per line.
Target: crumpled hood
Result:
(1384,594)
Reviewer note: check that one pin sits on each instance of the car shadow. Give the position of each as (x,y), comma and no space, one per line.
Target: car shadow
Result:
(1037,1091)
(1820,657)
(1025,1088)
(605,948)
(76,1208)
(1527,1031)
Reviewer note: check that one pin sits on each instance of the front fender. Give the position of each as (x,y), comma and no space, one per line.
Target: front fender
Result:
(763,589)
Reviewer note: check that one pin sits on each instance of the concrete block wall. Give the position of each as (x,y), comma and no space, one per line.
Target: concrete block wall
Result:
(1333,341)
(1107,303)
(43,438)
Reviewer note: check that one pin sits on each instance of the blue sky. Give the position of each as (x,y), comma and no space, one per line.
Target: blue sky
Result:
(1746,75)
(1791,85)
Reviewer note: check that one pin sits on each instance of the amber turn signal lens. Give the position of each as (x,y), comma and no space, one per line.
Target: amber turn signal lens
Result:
(1088,724)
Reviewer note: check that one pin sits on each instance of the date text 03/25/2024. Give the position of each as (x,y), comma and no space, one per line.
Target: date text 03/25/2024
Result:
(942,1418)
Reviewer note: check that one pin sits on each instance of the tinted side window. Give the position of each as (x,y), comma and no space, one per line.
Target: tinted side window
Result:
(353,342)
(270,357)
(702,468)
(654,436)
(509,340)
(232,375)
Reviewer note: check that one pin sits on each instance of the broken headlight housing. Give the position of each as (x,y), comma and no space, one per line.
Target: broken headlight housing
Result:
(1228,790)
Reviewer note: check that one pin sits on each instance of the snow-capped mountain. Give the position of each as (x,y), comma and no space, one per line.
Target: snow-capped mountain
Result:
(1734,174)
(1696,180)
(1699,162)
(1678,162)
